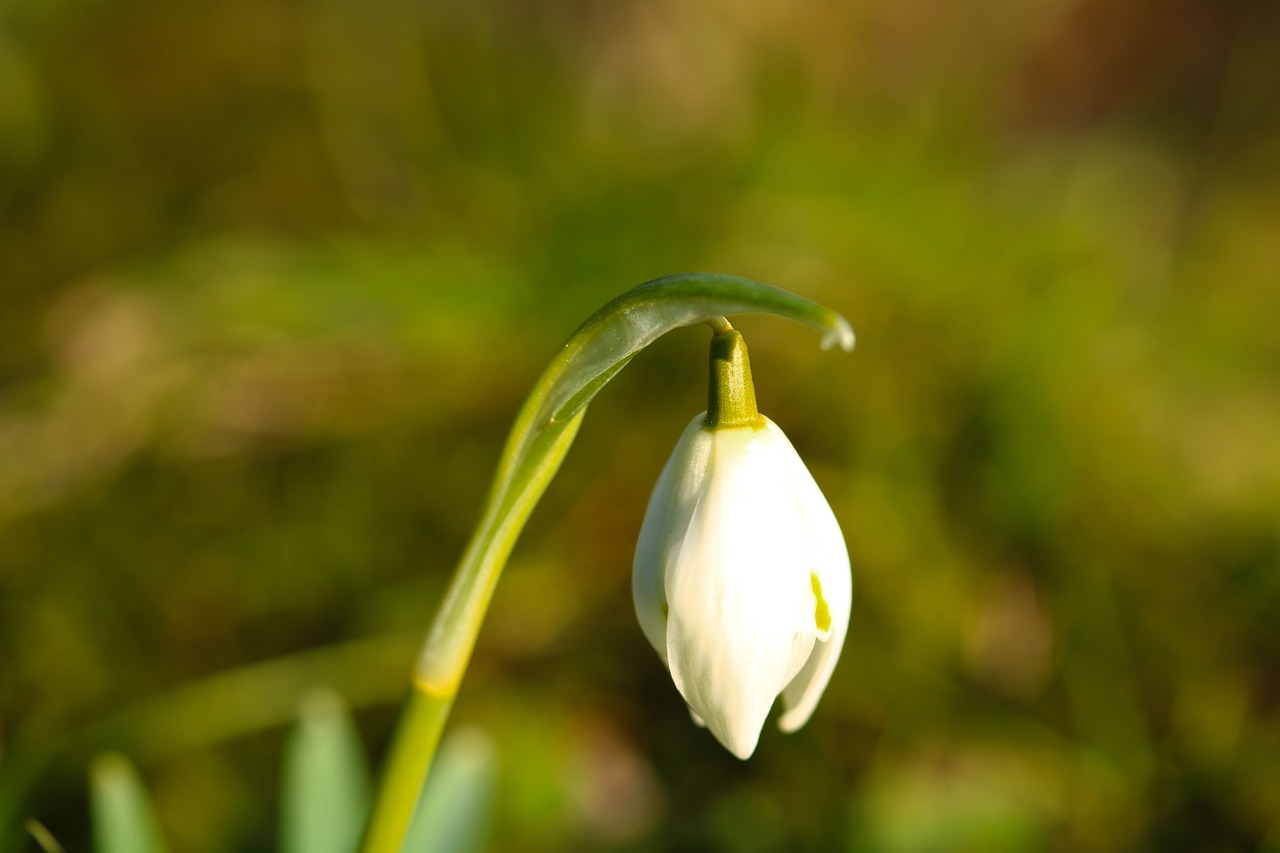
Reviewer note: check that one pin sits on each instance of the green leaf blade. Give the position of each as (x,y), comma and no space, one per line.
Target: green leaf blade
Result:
(326,789)
(456,803)
(123,818)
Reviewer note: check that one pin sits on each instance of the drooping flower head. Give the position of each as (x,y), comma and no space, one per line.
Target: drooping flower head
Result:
(741,577)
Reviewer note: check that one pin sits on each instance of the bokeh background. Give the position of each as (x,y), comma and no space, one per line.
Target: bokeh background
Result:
(275,277)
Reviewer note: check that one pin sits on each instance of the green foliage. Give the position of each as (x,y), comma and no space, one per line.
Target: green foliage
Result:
(456,803)
(43,837)
(326,794)
(123,818)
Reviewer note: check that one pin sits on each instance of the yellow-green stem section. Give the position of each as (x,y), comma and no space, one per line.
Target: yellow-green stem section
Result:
(417,737)
(448,647)
(731,395)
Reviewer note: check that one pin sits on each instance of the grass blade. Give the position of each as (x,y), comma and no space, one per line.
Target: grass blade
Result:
(457,801)
(326,780)
(123,819)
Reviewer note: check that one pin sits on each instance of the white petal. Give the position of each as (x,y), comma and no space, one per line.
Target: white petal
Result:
(665,522)
(740,621)
(828,559)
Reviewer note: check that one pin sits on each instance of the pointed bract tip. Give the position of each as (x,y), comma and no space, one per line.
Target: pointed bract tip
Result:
(840,334)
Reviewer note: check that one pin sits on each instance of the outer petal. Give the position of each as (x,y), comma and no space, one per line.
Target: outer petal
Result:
(666,522)
(828,559)
(740,624)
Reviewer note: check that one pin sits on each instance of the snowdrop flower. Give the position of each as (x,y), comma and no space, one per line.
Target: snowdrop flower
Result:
(741,577)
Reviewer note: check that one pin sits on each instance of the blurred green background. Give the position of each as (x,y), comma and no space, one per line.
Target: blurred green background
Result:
(276,276)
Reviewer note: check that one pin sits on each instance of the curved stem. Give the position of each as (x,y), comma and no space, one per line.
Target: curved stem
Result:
(447,650)
(720,325)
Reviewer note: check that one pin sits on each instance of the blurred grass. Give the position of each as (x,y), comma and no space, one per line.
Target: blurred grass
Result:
(123,818)
(276,278)
(326,791)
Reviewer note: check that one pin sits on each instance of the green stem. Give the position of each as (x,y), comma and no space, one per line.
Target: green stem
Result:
(417,737)
(448,647)
(539,440)
(731,395)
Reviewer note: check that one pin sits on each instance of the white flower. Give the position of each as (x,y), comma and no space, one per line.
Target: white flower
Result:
(741,579)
